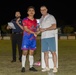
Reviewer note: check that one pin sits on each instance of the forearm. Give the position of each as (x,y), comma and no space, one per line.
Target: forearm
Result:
(28,30)
(53,27)
(38,31)
(17,21)
(49,28)
(20,26)
(8,27)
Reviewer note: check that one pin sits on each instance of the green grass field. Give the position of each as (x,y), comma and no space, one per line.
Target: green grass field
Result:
(66,58)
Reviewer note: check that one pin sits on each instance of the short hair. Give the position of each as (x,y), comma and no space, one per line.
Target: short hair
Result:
(30,7)
(43,6)
(17,11)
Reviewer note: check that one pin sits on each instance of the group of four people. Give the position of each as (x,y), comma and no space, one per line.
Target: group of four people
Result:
(25,35)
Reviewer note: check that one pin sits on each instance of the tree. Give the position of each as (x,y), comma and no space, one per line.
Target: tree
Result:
(68,29)
(4,30)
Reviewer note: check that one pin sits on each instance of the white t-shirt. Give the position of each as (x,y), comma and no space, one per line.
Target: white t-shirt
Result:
(46,22)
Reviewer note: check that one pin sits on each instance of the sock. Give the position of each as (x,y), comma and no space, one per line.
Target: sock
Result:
(31,60)
(23,60)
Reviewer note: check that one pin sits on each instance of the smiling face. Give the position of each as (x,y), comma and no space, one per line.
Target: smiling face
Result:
(43,10)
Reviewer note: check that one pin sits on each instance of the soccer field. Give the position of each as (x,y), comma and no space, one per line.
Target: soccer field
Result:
(66,58)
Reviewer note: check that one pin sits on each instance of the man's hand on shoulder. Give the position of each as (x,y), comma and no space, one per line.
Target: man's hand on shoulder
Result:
(17,21)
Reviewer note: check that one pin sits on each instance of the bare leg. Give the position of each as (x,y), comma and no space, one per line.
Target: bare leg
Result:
(54,61)
(54,58)
(46,59)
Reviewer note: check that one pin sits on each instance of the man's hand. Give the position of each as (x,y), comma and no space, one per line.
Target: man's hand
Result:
(8,27)
(35,34)
(17,21)
(42,29)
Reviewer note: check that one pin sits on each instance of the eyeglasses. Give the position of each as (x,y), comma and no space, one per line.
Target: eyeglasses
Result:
(43,10)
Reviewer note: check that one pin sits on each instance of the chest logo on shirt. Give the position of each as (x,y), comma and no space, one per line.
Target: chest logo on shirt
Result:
(33,27)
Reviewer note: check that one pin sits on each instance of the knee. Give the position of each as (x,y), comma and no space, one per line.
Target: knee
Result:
(31,53)
(24,53)
(53,53)
(46,53)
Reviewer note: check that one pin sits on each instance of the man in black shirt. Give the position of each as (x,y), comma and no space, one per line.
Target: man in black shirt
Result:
(16,36)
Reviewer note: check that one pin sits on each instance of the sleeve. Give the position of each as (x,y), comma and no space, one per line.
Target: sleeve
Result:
(36,23)
(24,22)
(40,23)
(53,20)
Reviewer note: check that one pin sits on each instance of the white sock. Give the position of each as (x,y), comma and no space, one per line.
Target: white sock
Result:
(23,60)
(31,60)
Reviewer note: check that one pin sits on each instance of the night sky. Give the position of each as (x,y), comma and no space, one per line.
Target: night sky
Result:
(62,10)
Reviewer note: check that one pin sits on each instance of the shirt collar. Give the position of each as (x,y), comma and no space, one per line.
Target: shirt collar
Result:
(45,16)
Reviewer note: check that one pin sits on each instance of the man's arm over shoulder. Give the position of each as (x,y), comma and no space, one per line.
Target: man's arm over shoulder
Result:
(21,26)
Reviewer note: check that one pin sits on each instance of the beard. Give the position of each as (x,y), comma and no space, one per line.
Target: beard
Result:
(17,17)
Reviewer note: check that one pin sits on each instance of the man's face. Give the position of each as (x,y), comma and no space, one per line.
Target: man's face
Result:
(31,12)
(17,15)
(43,10)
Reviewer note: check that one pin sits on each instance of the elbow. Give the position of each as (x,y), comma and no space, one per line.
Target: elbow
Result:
(54,26)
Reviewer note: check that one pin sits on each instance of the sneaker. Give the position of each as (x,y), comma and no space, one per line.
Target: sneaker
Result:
(23,69)
(32,69)
(45,69)
(55,70)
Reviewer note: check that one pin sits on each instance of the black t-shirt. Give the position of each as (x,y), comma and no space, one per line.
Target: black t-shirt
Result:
(18,29)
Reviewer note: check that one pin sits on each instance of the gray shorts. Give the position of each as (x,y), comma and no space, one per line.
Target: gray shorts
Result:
(48,44)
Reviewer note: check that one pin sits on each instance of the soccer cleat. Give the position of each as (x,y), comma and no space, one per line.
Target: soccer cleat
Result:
(23,69)
(32,69)
(45,69)
(55,70)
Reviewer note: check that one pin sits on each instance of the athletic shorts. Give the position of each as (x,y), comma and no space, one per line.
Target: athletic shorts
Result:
(48,44)
(28,43)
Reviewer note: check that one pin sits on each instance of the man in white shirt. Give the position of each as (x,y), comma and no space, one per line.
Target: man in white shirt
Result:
(47,28)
